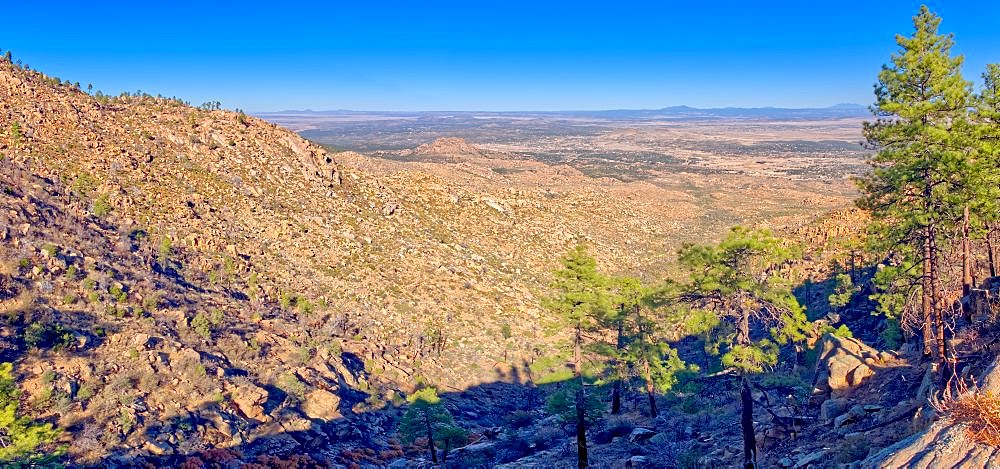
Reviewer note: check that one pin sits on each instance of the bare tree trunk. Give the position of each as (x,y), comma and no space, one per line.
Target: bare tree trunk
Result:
(743,328)
(616,393)
(650,390)
(746,421)
(581,401)
(854,267)
(990,252)
(939,307)
(966,254)
(926,301)
(430,438)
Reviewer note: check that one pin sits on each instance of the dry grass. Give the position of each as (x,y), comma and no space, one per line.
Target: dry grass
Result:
(981,415)
(18,305)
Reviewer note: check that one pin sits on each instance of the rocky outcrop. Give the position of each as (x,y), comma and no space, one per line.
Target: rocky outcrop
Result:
(843,364)
(321,404)
(945,443)
(448,146)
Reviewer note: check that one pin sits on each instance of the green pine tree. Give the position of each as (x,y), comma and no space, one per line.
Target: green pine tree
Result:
(738,285)
(427,418)
(915,189)
(581,300)
(627,294)
(987,201)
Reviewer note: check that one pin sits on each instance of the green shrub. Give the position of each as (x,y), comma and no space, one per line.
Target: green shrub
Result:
(15,133)
(101,206)
(50,250)
(303,305)
(290,384)
(166,246)
(892,334)
(151,301)
(216,317)
(46,335)
(118,293)
(505,330)
(201,326)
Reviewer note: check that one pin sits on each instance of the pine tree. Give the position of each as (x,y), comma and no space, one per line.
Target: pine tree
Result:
(987,134)
(627,294)
(427,418)
(915,186)
(639,348)
(581,299)
(737,284)
(656,362)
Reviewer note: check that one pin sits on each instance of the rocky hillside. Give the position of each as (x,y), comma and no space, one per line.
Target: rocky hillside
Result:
(175,271)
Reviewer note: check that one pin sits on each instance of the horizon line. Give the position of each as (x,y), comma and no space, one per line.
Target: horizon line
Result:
(666,108)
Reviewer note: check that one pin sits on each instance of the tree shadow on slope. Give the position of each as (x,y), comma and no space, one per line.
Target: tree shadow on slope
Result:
(216,434)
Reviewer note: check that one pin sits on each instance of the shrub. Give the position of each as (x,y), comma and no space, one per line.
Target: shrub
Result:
(216,317)
(101,206)
(892,334)
(151,301)
(166,245)
(15,131)
(50,250)
(201,326)
(118,293)
(981,415)
(45,335)
(290,383)
(23,436)
(505,330)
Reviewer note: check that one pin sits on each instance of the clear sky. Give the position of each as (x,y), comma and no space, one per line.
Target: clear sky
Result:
(471,55)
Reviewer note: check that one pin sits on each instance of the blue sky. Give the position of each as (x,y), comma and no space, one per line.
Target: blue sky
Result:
(510,55)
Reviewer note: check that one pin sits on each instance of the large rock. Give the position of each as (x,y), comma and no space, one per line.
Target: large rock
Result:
(640,435)
(833,408)
(322,404)
(945,444)
(250,399)
(843,364)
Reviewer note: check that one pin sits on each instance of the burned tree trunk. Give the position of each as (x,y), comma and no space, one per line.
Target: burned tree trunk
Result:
(581,403)
(746,421)
(966,254)
(616,392)
(430,438)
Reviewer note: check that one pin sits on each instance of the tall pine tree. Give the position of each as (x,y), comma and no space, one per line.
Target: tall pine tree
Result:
(581,299)
(915,187)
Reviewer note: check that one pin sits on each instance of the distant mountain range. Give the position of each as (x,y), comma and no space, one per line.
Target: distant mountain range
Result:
(673,112)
